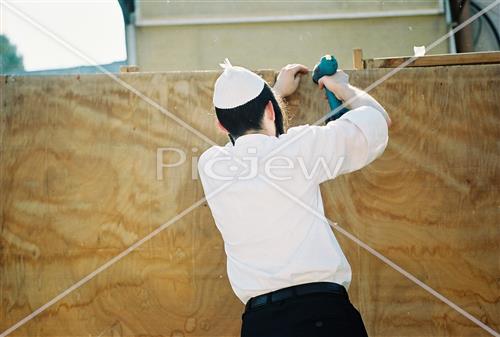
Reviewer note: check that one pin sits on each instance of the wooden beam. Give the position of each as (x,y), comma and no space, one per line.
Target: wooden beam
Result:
(357,59)
(436,60)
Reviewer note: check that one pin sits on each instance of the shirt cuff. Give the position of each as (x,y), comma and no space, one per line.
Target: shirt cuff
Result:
(373,125)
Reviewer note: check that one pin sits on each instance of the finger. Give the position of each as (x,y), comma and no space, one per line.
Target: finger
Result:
(320,83)
(291,65)
(300,69)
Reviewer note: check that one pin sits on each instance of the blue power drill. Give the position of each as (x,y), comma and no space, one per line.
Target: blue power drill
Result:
(328,66)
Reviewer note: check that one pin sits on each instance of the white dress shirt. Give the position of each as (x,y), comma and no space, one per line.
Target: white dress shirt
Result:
(265,199)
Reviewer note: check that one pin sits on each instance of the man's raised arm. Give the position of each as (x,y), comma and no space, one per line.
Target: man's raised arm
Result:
(350,95)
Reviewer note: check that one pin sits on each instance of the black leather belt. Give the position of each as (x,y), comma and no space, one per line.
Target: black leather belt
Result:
(294,291)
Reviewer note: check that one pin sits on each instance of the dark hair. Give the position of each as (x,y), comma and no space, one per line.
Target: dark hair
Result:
(248,116)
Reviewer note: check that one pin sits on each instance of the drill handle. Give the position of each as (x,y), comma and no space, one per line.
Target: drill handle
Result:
(334,103)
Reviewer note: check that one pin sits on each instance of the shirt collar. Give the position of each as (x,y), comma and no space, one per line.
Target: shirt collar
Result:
(250,137)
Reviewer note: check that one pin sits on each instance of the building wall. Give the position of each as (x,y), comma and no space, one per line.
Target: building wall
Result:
(178,37)
(175,10)
(273,44)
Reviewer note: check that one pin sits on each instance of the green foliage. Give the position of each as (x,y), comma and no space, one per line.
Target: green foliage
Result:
(10,60)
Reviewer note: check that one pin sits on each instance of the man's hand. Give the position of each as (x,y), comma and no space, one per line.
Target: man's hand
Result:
(337,83)
(288,79)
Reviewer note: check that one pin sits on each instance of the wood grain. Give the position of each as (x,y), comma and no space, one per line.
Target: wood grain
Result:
(78,182)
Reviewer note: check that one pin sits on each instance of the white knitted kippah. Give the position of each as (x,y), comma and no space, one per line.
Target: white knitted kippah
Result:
(236,86)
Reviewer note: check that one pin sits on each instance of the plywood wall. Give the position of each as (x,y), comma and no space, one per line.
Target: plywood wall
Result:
(78,185)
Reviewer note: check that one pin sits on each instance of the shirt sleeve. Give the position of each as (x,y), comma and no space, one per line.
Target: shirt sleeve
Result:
(346,144)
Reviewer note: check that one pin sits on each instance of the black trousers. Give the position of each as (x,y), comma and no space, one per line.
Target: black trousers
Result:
(311,315)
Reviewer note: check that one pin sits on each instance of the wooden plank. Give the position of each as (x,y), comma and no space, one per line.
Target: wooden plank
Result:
(79,185)
(357,59)
(436,60)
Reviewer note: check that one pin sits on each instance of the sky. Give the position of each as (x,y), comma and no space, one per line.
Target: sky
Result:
(95,28)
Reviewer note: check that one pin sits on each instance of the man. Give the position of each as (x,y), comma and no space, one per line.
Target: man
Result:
(283,260)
